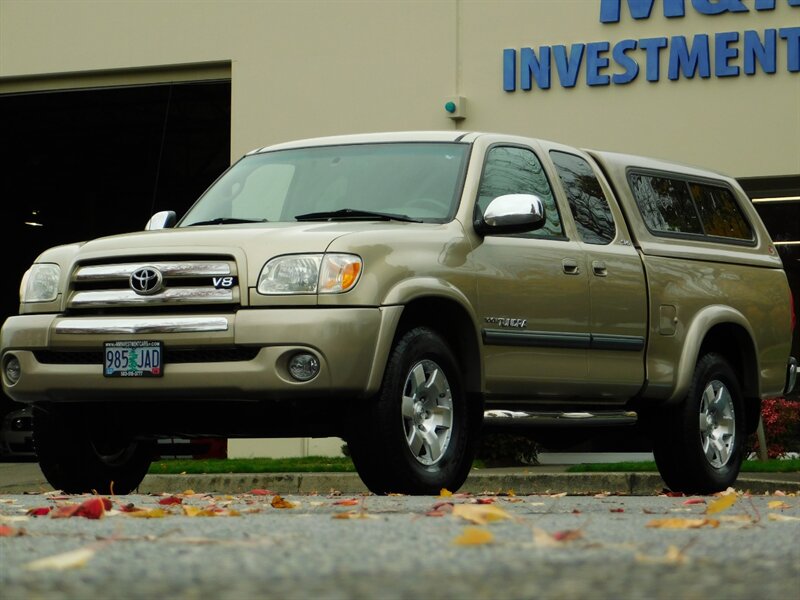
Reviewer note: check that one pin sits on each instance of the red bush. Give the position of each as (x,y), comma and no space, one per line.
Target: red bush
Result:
(781,418)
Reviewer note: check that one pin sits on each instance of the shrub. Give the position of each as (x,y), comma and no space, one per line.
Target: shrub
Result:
(781,418)
(508,448)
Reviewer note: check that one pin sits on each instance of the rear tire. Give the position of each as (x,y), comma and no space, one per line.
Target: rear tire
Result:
(75,458)
(417,435)
(698,444)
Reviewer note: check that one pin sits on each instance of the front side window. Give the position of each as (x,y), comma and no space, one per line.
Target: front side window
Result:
(513,170)
(587,201)
(419,181)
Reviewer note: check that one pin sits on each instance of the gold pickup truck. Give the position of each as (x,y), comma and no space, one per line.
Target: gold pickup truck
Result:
(392,289)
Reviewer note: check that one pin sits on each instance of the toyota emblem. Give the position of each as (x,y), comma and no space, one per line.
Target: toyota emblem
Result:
(146,281)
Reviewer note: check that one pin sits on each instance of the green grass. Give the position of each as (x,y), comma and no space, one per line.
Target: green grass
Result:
(308,464)
(748,466)
(326,464)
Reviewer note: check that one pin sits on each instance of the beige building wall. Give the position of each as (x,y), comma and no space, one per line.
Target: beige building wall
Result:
(307,68)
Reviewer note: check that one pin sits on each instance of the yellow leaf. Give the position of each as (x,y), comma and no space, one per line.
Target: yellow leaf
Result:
(722,503)
(353,514)
(677,523)
(278,502)
(780,517)
(778,504)
(59,562)
(445,493)
(480,514)
(188,492)
(474,536)
(152,513)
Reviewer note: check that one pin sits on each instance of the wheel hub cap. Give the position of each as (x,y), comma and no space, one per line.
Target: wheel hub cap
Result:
(717,424)
(427,408)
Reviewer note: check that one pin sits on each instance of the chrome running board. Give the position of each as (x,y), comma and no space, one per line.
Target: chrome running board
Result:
(515,418)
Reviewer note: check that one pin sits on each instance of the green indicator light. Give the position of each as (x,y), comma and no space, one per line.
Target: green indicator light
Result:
(450,107)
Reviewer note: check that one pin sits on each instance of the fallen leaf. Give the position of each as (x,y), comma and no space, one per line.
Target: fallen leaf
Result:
(480,514)
(777,504)
(8,531)
(189,492)
(445,493)
(673,556)
(347,502)
(474,536)
(568,535)
(59,562)
(278,502)
(561,495)
(39,512)
(485,500)
(170,500)
(781,517)
(147,513)
(602,495)
(678,523)
(65,511)
(13,518)
(722,503)
(616,510)
(93,508)
(261,492)
(353,514)
(694,501)
(670,494)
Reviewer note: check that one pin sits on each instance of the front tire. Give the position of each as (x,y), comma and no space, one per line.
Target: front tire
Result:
(699,443)
(416,436)
(76,458)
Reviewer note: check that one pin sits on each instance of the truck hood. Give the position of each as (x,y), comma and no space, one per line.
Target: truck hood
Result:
(251,244)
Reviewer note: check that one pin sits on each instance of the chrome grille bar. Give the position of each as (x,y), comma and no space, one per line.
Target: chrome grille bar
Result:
(182,295)
(168,269)
(142,325)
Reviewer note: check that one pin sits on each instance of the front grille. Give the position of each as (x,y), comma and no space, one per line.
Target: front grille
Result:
(196,283)
(171,356)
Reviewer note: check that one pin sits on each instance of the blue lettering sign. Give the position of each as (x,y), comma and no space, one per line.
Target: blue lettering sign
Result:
(568,68)
(690,62)
(755,51)
(626,62)
(538,67)
(724,53)
(509,69)
(653,46)
(595,62)
(792,37)
(641,9)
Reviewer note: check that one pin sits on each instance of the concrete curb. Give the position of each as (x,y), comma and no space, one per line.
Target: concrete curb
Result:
(575,484)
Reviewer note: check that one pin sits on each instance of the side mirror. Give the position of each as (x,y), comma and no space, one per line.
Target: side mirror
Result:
(161,220)
(512,213)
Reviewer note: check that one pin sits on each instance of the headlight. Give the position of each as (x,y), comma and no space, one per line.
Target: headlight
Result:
(40,283)
(309,274)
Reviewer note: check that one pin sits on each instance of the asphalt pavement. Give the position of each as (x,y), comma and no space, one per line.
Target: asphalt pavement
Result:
(18,478)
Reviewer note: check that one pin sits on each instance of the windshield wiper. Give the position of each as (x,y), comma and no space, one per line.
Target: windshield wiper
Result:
(226,221)
(346,214)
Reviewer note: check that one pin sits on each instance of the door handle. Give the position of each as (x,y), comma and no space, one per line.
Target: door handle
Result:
(599,268)
(570,266)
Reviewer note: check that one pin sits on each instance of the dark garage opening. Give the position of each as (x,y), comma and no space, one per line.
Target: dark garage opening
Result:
(81,164)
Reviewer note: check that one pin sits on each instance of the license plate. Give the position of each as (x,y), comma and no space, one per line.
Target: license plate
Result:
(133,359)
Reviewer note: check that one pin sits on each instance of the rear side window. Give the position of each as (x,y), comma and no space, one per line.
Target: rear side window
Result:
(670,205)
(586,198)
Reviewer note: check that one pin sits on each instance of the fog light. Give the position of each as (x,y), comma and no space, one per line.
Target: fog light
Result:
(303,366)
(13,370)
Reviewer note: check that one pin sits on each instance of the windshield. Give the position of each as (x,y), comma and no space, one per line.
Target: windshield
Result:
(409,181)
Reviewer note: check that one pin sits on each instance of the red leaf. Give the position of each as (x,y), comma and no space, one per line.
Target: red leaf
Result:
(617,510)
(575,511)
(568,535)
(694,501)
(260,492)
(171,500)
(446,506)
(64,512)
(93,508)
(39,512)
(484,500)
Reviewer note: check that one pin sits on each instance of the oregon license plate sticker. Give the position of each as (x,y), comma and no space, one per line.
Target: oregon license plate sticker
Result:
(133,359)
